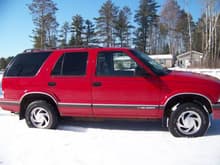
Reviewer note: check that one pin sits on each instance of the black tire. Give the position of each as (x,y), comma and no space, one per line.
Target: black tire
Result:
(188,120)
(41,114)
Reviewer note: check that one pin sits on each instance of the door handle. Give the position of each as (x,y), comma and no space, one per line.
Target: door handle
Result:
(51,84)
(97,84)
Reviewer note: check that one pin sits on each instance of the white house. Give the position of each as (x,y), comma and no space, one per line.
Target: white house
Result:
(189,59)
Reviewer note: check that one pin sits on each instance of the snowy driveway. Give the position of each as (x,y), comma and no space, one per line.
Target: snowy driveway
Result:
(103,143)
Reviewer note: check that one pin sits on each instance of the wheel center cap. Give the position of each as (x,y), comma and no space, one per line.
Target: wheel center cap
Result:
(188,122)
(39,118)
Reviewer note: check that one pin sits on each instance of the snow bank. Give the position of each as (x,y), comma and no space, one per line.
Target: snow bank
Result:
(103,143)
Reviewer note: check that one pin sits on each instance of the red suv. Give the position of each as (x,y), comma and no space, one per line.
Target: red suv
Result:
(43,85)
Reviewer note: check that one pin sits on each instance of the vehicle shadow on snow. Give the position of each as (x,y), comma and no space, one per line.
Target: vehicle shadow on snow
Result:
(214,129)
(76,125)
(71,124)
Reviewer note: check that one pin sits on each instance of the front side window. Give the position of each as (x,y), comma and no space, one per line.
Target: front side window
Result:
(115,64)
(71,64)
(26,64)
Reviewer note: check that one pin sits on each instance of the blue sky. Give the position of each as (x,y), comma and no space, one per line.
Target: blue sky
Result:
(16,21)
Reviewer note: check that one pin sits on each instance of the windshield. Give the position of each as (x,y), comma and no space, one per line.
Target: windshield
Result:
(152,64)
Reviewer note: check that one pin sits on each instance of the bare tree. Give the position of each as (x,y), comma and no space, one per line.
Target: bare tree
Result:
(169,18)
(64,34)
(211,43)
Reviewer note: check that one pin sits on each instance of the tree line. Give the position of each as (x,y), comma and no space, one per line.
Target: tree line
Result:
(173,30)
(4,62)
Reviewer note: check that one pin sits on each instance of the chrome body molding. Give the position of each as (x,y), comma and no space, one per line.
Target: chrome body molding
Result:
(116,106)
(216,106)
(43,93)
(179,94)
(128,106)
(10,102)
(74,104)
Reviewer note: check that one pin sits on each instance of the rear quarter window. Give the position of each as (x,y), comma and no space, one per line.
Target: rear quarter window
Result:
(26,65)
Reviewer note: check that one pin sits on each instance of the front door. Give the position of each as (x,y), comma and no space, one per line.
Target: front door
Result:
(120,90)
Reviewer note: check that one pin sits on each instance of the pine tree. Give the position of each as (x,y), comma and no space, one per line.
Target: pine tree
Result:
(146,18)
(105,23)
(123,27)
(89,32)
(77,30)
(43,15)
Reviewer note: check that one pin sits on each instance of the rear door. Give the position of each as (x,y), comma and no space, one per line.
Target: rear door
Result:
(70,83)
(121,90)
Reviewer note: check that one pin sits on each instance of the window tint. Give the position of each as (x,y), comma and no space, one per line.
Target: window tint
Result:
(58,66)
(115,64)
(71,64)
(26,64)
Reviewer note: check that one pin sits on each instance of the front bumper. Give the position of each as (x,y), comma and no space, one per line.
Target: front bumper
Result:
(216,111)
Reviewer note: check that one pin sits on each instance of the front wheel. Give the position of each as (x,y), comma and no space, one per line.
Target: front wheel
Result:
(188,120)
(40,114)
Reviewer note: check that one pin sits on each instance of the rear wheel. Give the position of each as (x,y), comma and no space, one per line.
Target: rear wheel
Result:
(40,114)
(188,120)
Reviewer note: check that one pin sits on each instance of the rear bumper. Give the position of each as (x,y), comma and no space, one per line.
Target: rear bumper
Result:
(216,111)
(9,105)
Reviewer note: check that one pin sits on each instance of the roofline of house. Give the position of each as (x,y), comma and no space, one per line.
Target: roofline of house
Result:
(193,51)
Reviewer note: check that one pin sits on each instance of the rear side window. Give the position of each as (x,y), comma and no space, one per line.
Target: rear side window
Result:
(26,64)
(71,64)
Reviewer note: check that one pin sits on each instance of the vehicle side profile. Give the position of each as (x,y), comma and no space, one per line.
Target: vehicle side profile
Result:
(44,85)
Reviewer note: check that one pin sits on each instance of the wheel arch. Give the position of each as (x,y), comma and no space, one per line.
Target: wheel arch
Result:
(32,96)
(177,99)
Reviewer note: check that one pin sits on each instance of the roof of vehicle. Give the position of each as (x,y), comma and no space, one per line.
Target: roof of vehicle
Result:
(73,49)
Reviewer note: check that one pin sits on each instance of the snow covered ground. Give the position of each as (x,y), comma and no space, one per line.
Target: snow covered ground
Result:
(103,143)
